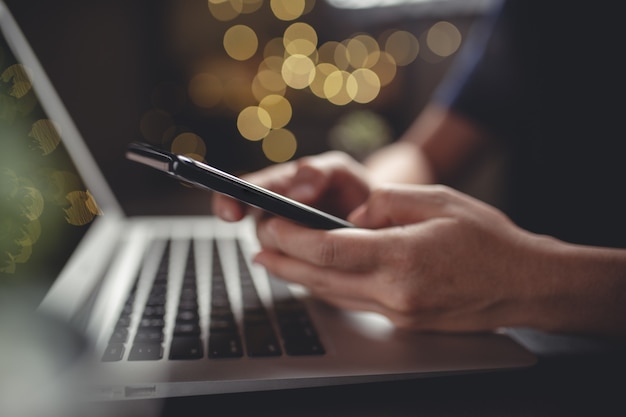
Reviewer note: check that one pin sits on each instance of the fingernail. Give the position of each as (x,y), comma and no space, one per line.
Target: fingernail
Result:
(357,217)
(258,259)
(227,215)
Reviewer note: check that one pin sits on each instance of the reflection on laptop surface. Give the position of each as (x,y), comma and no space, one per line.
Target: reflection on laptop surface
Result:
(172,305)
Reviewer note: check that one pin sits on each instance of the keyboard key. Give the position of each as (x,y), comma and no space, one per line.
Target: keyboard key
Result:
(145,352)
(261,340)
(147,335)
(301,339)
(120,335)
(184,348)
(225,345)
(113,353)
(296,328)
(188,329)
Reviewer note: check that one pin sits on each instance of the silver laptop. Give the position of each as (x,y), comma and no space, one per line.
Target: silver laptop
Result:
(172,305)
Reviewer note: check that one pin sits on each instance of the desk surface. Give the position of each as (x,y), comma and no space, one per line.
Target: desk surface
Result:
(570,383)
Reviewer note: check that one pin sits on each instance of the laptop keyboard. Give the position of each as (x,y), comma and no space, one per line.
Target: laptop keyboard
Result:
(283,329)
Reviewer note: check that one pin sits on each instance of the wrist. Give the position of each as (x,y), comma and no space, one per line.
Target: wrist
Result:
(574,288)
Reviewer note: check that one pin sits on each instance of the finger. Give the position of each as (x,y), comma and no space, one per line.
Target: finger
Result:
(227,208)
(315,176)
(322,282)
(394,205)
(276,178)
(346,249)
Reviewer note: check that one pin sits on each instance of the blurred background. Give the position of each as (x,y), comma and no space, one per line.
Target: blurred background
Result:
(240,84)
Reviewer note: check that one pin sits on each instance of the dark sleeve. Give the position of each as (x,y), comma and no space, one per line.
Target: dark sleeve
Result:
(494,81)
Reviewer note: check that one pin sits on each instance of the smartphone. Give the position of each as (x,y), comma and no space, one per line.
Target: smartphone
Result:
(205,176)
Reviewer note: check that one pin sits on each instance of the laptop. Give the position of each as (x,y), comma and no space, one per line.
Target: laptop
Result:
(172,305)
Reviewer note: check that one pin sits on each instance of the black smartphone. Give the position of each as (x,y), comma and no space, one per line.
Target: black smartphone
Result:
(205,176)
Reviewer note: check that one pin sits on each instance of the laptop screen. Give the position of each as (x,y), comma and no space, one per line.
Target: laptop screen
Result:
(45,208)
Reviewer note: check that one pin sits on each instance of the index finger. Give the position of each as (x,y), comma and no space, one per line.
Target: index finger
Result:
(344,248)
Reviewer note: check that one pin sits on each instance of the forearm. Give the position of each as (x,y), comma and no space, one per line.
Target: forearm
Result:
(401,162)
(578,289)
(434,149)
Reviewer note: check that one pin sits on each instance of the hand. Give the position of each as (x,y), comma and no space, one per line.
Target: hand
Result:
(332,182)
(437,260)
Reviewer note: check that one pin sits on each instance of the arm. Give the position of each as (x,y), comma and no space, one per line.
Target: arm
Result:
(400,265)
(434,149)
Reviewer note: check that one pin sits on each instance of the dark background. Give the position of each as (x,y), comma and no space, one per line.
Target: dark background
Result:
(109,59)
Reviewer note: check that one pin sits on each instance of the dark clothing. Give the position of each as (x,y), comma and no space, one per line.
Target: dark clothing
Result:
(548,79)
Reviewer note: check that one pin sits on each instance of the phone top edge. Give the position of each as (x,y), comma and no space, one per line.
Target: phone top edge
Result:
(151,156)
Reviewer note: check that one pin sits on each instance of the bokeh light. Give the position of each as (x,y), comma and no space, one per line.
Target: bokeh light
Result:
(403,46)
(254,123)
(360,133)
(363,85)
(274,48)
(298,71)
(322,71)
(278,108)
(32,202)
(31,234)
(362,51)
(268,82)
(19,76)
(385,68)
(336,88)
(82,208)
(280,145)
(443,39)
(47,135)
(226,10)
(300,38)
(263,79)
(240,42)
(251,6)
(189,144)
(60,182)
(288,9)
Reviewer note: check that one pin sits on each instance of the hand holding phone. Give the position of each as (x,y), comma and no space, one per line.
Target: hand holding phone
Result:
(205,176)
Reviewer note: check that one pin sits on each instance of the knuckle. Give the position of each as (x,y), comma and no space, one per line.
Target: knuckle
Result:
(382,195)
(326,253)
(440,194)
(404,302)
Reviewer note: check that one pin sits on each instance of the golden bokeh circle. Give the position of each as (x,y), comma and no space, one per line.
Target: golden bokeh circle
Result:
(288,10)
(335,88)
(189,144)
(279,109)
(298,71)
(254,123)
(225,10)
(300,38)
(280,145)
(363,85)
(443,39)
(240,42)
(403,46)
